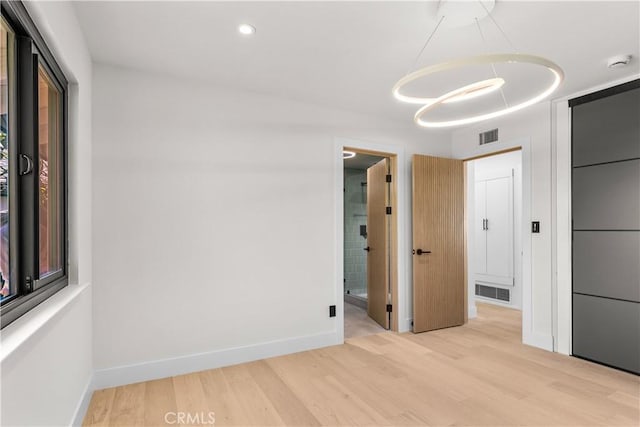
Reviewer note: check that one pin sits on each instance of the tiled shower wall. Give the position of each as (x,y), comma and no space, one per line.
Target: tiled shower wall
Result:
(355,215)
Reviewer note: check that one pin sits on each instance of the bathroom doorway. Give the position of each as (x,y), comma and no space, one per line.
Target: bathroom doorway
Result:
(369,227)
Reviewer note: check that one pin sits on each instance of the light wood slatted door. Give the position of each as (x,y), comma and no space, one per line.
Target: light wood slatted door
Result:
(438,227)
(377,242)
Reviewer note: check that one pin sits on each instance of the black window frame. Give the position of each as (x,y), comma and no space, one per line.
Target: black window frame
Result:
(31,52)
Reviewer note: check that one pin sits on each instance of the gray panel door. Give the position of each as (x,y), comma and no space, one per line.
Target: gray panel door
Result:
(606,227)
(607,263)
(607,197)
(607,130)
(607,331)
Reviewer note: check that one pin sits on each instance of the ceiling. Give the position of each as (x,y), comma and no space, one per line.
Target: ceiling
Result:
(348,55)
(361,161)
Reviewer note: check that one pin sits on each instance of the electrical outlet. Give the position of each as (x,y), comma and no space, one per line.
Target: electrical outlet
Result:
(332,311)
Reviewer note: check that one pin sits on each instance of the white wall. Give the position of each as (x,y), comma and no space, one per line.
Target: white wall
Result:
(45,379)
(478,170)
(47,354)
(534,125)
(214,222)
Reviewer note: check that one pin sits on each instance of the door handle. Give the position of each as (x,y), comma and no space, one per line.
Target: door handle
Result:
(486,227)
(29,165)
(420,252)
(367,249)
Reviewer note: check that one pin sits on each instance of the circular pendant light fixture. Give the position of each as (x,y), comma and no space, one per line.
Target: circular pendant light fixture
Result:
(348,154)
(476,89)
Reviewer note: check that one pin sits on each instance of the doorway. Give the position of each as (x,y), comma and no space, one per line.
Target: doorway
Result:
(369,257)
(494,230)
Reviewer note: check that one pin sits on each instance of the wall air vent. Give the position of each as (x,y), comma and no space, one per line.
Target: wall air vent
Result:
(488,136)
(499,294)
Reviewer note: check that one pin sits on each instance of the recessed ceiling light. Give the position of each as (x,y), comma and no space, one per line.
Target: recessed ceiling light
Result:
(246,29)
(348,154)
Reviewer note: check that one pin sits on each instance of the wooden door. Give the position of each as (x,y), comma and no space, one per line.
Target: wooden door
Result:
(438,243)
(377,243)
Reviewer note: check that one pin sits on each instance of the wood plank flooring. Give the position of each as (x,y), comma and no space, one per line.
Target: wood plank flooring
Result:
(478,374)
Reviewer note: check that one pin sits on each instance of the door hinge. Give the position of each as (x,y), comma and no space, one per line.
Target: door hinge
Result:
(332,311)
(388,210)
(389,308)
(388,178)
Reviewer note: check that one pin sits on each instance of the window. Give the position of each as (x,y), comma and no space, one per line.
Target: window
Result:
(33,211)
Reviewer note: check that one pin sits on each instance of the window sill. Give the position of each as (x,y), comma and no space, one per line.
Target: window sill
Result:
(19,331)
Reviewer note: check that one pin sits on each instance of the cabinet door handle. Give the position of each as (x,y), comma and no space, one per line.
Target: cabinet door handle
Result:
(487,224)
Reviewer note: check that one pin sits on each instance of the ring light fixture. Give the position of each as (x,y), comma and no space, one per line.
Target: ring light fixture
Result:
(348,154)
(479,88)
(475,89)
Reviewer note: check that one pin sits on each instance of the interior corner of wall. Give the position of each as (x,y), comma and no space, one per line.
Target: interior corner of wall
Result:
(472,311)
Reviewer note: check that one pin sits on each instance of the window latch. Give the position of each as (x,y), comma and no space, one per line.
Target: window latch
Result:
(26,165)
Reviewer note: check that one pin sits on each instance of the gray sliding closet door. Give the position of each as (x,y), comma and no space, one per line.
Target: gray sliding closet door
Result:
(606,226)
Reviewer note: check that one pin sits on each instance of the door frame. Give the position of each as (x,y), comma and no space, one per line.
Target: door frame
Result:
(400,321)
(516,182)
(529,336)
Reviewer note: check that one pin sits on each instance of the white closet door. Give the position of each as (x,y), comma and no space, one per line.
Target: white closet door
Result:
(499,233)
(480,234)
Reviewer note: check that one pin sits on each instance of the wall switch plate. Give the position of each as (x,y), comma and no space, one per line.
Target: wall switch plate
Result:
(332,311)
(535,226)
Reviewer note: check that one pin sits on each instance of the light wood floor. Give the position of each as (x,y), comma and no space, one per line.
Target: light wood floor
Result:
(357,322)
(477,374)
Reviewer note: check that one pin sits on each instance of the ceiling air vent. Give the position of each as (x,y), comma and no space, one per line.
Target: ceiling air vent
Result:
(493,292)
(488,136)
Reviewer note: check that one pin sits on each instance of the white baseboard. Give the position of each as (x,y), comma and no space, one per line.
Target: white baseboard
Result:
(473,311)
(83,405)
(405,326)
(542,341)
(157,369)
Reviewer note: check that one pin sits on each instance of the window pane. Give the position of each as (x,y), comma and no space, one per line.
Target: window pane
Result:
(6,84)
(50,175)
